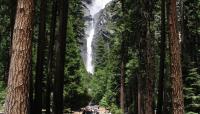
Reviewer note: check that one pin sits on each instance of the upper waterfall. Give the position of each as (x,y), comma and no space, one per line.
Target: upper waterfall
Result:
(94,8)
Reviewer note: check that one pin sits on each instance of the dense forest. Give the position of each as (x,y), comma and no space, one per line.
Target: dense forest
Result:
(122,56)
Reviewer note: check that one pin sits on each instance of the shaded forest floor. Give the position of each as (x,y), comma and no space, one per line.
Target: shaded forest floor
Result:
(101,110)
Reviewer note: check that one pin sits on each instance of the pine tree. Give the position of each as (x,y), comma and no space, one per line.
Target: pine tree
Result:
(51,55)
(12,8)
(162,59)
(146,57)
(191,91)
(190,54)
(60,58)
(175,61)
(40,59)
(18,83)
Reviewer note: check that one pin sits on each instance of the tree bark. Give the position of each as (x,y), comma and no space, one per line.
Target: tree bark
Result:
(162,59)
(0,37)
(50,56)
(122,91)
(13,7)
(150,70)
(142,75)
(146,58)
(60,58)
(123,53)
(138,96)
(17,98)
(175,61)
(196,49)
(40,59)
(31,100)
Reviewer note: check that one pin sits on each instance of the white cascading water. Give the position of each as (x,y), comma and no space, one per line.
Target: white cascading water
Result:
(94,8)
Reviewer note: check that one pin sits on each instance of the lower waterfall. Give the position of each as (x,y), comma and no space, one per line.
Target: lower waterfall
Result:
(94,8)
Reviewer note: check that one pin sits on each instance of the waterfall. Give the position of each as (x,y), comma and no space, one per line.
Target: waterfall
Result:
(94,8)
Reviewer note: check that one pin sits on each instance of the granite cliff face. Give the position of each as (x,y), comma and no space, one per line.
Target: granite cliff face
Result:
(105,18)
(104,23)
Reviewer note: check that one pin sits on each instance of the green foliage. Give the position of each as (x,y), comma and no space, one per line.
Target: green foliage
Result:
(2,96)
(4,46)
(4,36)
(75,91)
(192,91)
(115,110)
(191,69)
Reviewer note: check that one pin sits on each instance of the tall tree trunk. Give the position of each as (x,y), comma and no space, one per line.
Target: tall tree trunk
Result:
(141,77)
(0,37)
(147,66)
(13,7)
(162,59)
(31,102)
(123,53)
(138,97)
(17,98)
(40,59)
(175,61)
(150,70)
(50,56)
(60,58)
(196,49)
(122,81)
